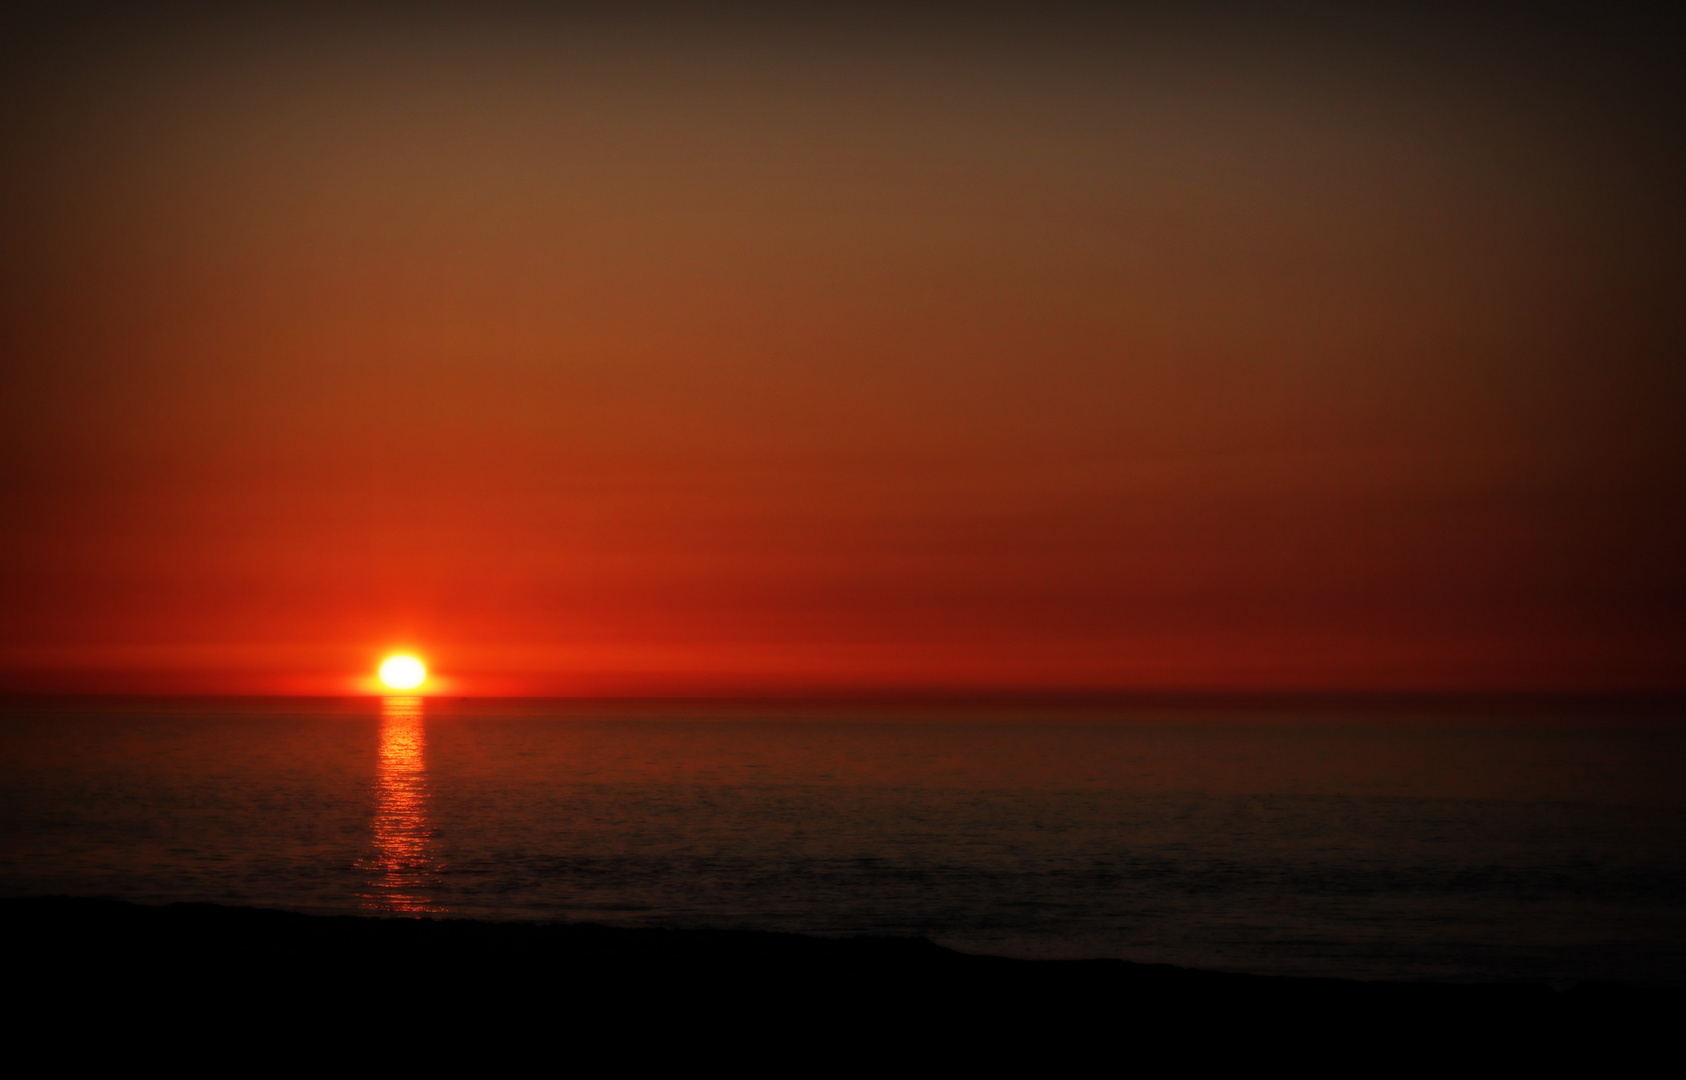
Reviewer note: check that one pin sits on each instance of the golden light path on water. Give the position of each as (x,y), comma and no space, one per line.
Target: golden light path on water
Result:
(400,867)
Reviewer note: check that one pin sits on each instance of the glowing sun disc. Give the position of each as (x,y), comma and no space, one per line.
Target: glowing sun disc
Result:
(403,672)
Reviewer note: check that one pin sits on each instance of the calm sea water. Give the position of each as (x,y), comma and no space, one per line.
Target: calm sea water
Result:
(1383,845)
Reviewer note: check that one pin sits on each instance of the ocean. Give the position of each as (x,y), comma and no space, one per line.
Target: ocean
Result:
(1378,843)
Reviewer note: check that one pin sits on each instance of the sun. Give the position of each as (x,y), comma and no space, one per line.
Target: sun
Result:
(403,672)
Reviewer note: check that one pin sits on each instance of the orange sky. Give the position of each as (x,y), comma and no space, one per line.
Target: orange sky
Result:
(694,354)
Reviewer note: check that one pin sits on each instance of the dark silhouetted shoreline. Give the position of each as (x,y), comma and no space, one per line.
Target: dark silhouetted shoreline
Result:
(136,972)
(96,932)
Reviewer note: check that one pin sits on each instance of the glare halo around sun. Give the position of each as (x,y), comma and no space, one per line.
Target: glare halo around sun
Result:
(402,672)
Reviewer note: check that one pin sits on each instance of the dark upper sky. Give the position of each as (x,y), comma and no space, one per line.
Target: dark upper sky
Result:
(1248,346)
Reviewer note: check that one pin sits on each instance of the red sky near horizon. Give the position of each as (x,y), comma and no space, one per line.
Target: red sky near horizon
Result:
(684,354)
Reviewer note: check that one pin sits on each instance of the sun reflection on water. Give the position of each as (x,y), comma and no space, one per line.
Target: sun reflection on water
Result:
(400,868)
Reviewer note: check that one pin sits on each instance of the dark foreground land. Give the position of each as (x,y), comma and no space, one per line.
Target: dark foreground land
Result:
(107,961)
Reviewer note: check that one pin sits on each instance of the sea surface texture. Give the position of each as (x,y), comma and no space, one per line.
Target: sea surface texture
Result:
(1391,843)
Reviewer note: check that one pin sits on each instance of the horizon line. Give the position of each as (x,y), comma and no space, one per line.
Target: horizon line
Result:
(936,696)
